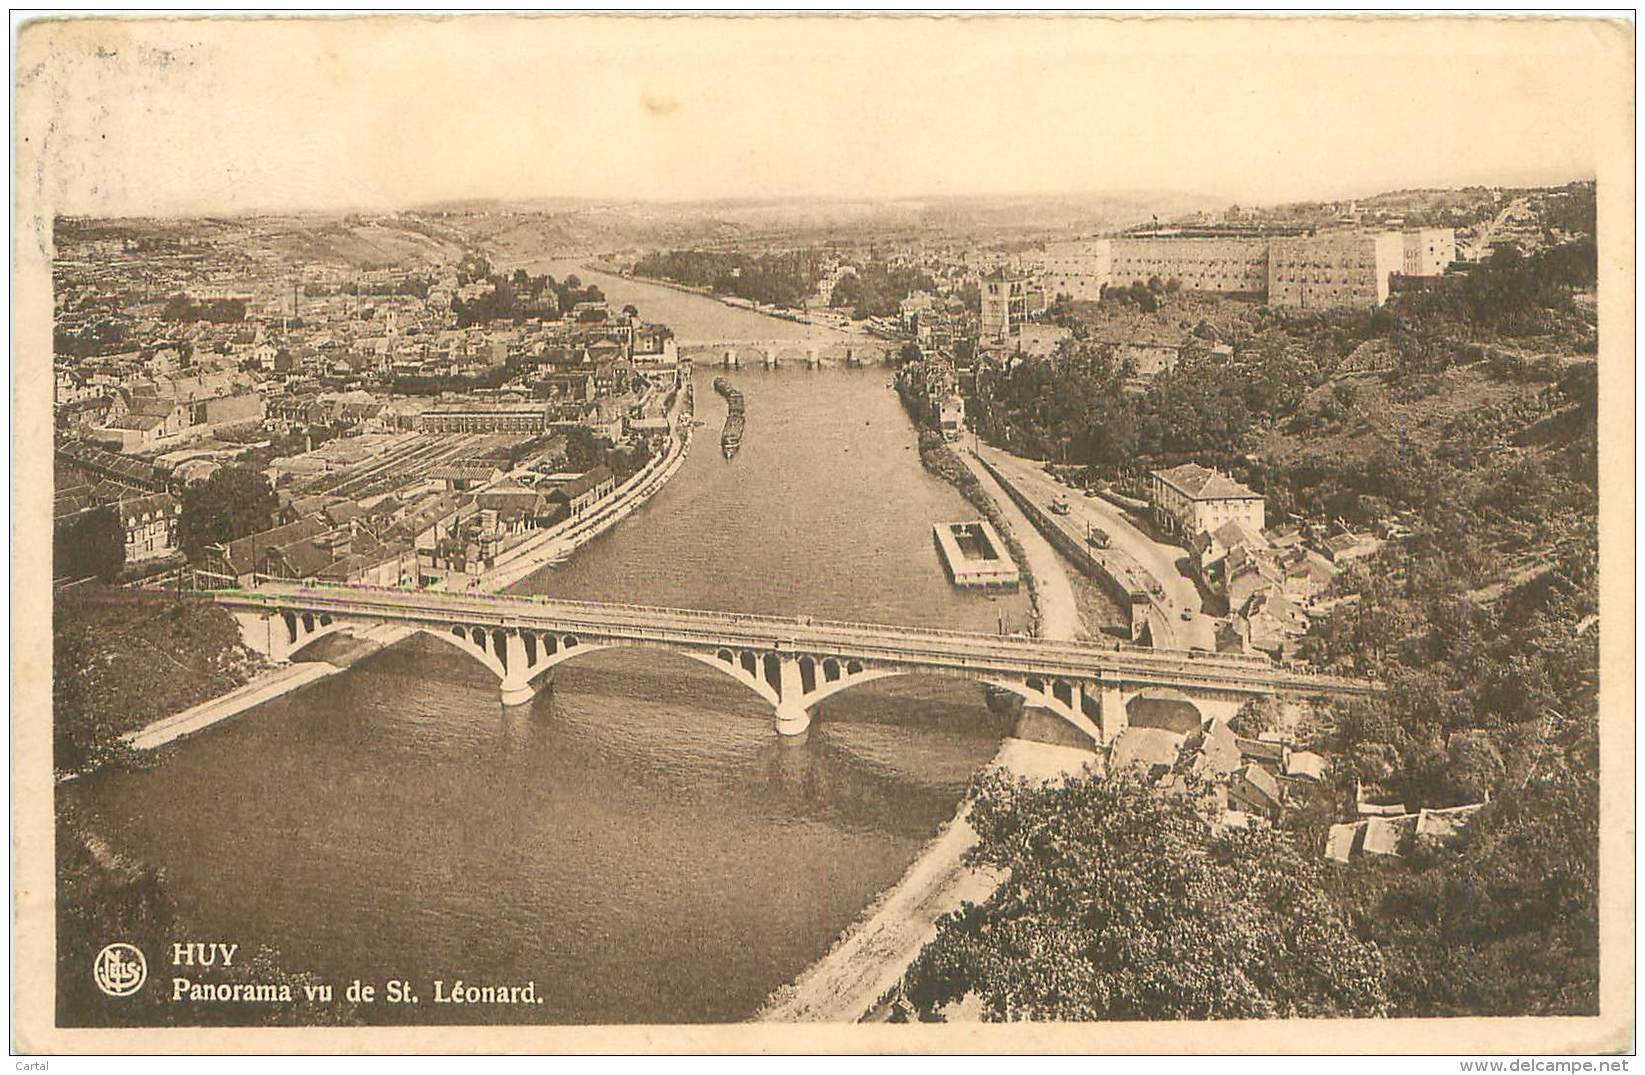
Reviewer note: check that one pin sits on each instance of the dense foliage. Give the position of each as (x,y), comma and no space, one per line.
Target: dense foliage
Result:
(783,279)
(1121,902)
(518,297)
(1507,923)
(180,307)
(233,502)
(89,544)
(1465,416)
(122,658)
(876,289)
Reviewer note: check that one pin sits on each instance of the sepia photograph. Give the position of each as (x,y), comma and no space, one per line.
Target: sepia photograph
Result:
(642,533)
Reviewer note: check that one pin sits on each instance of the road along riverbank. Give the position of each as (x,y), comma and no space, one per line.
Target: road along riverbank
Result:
(1134,567)
(558,542)
(262,688)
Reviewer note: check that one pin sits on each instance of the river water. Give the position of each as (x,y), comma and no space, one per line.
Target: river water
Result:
(638,841)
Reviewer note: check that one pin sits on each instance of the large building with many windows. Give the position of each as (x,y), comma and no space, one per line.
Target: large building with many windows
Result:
(1076,270)
(1333,268)
(1232,266)
(1336,269)
(1429,251)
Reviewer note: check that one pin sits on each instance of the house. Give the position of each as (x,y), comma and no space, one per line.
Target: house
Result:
(584,491)
(147,421)
(1211,547)
(1254,790)
(519,507)
(1190,498)
(1269,622)
(1245,574)
(1350,546)
(1447,826)
(1344,841)
(242,558)
(1212,752)
(568,385)
(1387,835)
(1307,575)
(150,524)
(1305,765)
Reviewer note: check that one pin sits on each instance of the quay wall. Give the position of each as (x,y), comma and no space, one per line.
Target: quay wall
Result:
(1079,552)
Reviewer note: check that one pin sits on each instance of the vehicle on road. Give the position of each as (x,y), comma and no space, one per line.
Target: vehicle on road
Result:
(1060,505)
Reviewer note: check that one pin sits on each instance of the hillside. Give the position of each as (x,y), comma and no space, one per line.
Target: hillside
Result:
(518,231)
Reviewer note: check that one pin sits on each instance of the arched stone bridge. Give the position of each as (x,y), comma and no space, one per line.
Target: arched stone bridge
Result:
(734,354)
(793,664)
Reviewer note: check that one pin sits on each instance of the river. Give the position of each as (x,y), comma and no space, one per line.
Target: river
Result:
(638,840)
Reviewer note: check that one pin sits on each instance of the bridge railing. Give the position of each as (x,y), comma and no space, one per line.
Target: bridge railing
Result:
(947,646)
(787,623)
(976,653)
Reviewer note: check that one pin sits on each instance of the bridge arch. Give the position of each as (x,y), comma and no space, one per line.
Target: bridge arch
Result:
(724,660)
(1165,708)
(300,639)
(1049,700)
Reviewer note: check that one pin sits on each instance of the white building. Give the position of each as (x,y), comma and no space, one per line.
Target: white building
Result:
(1191,499)
(1429,251)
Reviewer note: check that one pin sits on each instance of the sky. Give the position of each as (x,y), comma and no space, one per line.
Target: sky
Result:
(156,117)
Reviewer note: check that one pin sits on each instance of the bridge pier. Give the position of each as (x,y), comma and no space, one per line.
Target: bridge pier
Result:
(1111,713)
(514,694)
(792,717)
(523,678)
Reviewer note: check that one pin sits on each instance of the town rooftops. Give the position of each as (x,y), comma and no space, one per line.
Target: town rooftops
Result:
(1202,483)
(464,473)
(135,421)
(241,553)
(154,505)
(581,484)
(1236,532)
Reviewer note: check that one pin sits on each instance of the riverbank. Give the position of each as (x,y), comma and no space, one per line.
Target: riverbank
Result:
(746,305)
(559,542)
(122,658)
(865,967)
(266,687)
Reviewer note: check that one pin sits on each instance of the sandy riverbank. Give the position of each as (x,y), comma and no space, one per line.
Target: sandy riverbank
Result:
(868,963)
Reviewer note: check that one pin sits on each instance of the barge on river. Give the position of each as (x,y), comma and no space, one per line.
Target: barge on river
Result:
(731,437)
(975,555)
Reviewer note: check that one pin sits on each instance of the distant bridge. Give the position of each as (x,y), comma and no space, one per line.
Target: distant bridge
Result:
(792,664)
(809,354)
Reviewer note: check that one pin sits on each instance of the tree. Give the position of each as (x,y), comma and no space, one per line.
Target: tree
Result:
(1121,902)
(91,543)
(233,502)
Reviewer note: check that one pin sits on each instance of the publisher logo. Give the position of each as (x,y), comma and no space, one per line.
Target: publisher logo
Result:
(120,970)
